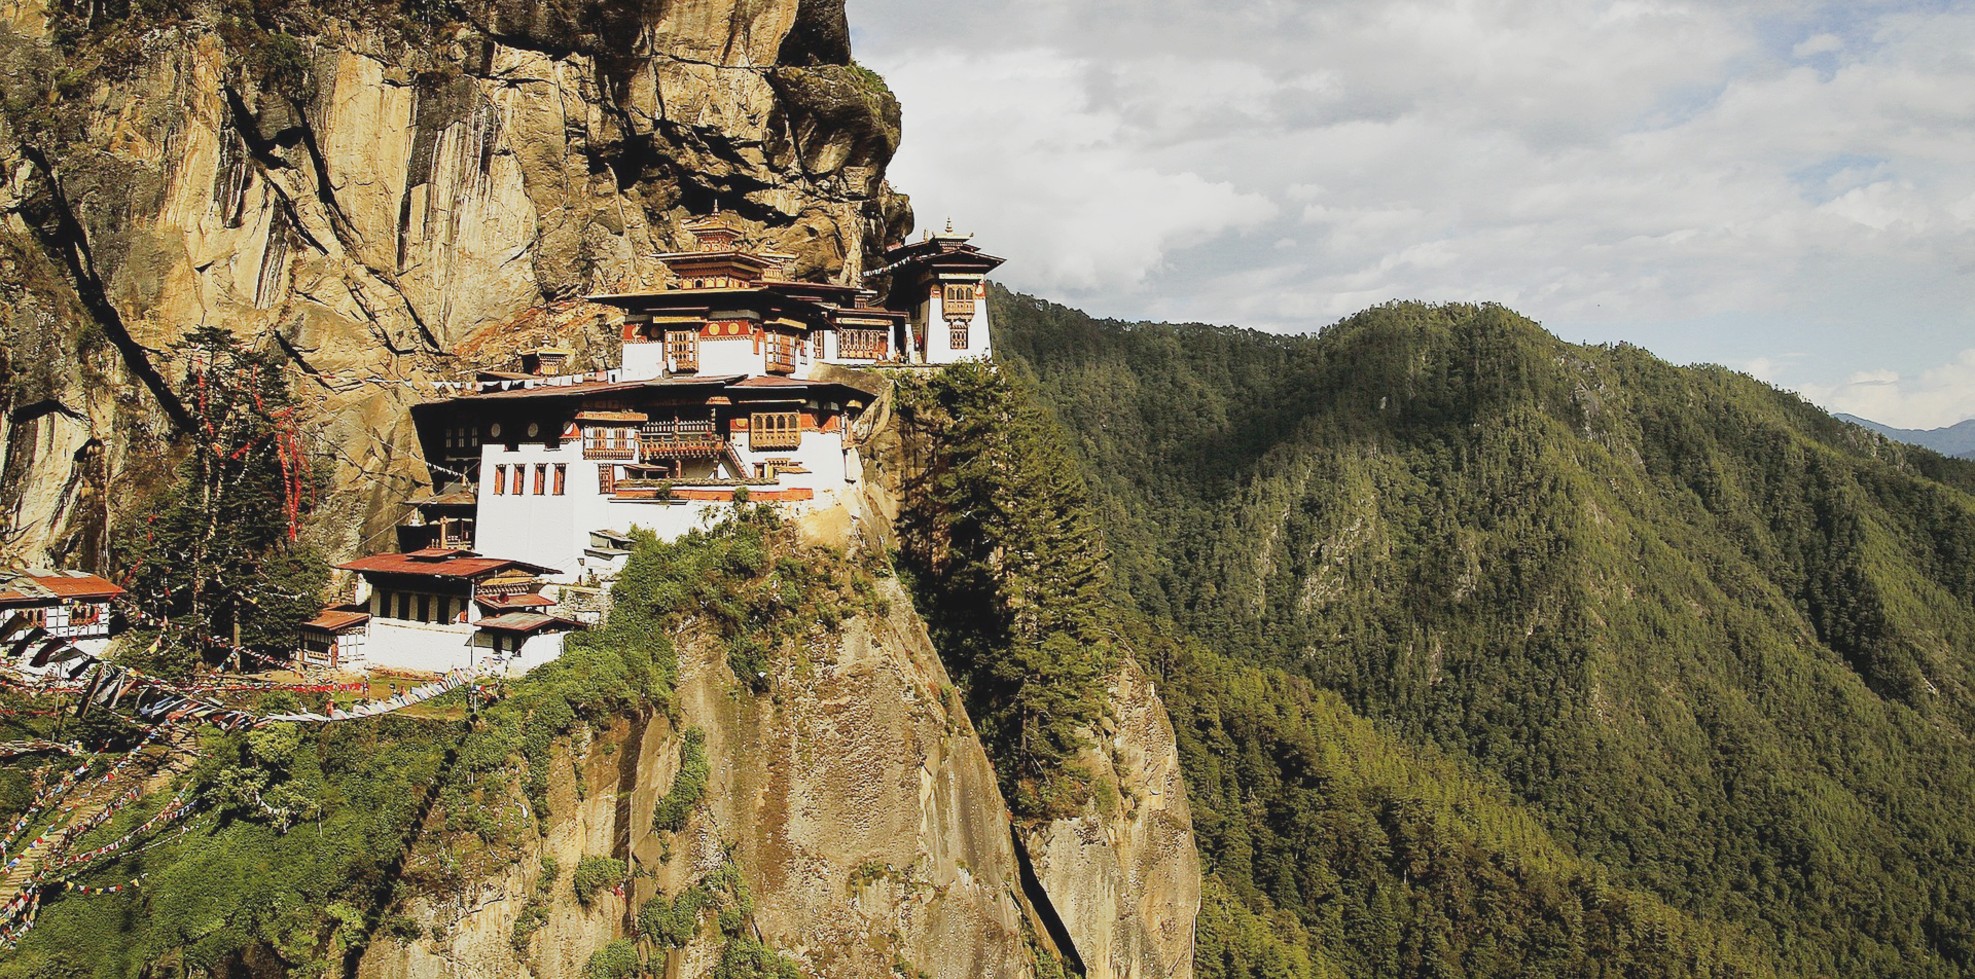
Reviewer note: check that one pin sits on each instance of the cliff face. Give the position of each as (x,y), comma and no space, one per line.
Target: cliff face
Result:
(855,804)
(392,206)
(1125,878)
(859,806)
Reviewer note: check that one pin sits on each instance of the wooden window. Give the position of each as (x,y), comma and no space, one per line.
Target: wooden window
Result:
(957,302)
(34,618)
(561,478)
(541,478)
(781,353)
(862,344)
(774,430)
(956,336)
(607,479)
(462,438)
(682,349)
(86,613)
(520,473)
(500,480)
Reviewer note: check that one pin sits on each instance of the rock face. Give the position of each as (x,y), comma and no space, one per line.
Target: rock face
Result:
(1124,881)
(856,803)
(391,207)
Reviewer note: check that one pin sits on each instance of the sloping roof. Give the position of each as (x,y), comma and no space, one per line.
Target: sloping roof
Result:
(587,388)
(526,600)
(42,586)
(455,498)
(523,622)
(612,416)
(337,619)
(770,381)
(463,568)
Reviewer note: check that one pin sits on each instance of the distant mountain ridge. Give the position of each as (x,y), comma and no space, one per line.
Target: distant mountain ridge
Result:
(1956,440)
(1708,639)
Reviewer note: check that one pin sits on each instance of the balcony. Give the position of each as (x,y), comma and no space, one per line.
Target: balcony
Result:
(624,451)
(680,440)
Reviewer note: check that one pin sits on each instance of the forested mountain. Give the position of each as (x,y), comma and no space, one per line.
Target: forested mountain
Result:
(1713,644)
(1956,440)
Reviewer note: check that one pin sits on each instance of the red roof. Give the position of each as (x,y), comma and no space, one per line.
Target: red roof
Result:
(596,387)
(528,600)
(523,622)
(33,587)
(337,619)
(467,567)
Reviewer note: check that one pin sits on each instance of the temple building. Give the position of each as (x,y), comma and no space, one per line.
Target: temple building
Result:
(433,610)
(72,606)
(736,382)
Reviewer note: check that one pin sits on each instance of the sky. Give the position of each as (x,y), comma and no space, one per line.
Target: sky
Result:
(1786,188)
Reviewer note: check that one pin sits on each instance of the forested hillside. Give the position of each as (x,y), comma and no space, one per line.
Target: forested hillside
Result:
(1712,642)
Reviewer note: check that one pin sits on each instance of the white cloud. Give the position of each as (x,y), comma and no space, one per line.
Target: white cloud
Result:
(1797,177)
(1938,397)
(1817,44)
(1083,206)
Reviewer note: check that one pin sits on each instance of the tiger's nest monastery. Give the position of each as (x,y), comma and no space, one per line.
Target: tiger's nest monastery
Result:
(735,384)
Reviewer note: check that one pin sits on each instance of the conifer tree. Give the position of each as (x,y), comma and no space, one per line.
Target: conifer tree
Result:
(1000,530)
(219,557)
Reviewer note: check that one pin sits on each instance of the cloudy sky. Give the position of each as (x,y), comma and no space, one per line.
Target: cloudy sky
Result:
(1784,188)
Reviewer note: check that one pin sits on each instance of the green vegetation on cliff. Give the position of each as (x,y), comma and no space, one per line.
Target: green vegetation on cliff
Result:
(1709,641)
(311,839)
(1010,572)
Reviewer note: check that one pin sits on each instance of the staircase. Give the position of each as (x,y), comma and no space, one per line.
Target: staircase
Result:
(162,762)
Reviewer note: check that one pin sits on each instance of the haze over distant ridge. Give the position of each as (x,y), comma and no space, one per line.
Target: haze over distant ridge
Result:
(1954,440)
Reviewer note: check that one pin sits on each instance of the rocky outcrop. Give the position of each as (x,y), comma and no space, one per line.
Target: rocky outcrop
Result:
(855,802)
(1124,879)
(390,206)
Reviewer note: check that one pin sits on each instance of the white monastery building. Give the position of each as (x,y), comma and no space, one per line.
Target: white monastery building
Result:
(70,606)
(736,383)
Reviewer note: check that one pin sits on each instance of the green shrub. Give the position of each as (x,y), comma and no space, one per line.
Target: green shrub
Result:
(688,787)
(595,874)
(745,958)
(613,961)
(673,923)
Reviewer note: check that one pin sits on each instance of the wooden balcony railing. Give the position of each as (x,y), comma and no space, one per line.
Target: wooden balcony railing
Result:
(626,451)
(680,439)
(863,344)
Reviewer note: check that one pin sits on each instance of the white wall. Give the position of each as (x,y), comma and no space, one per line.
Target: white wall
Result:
(548,530)
(536,649)
(643,360)
(397,644)
(939,350)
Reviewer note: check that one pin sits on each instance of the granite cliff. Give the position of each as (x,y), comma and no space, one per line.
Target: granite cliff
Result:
(396,196)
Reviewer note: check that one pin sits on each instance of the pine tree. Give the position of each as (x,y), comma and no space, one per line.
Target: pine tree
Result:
(219,557)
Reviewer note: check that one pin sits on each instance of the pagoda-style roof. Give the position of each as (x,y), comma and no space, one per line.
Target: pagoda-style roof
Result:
(945,252)
(717,303)
(436,562)
(43,587)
